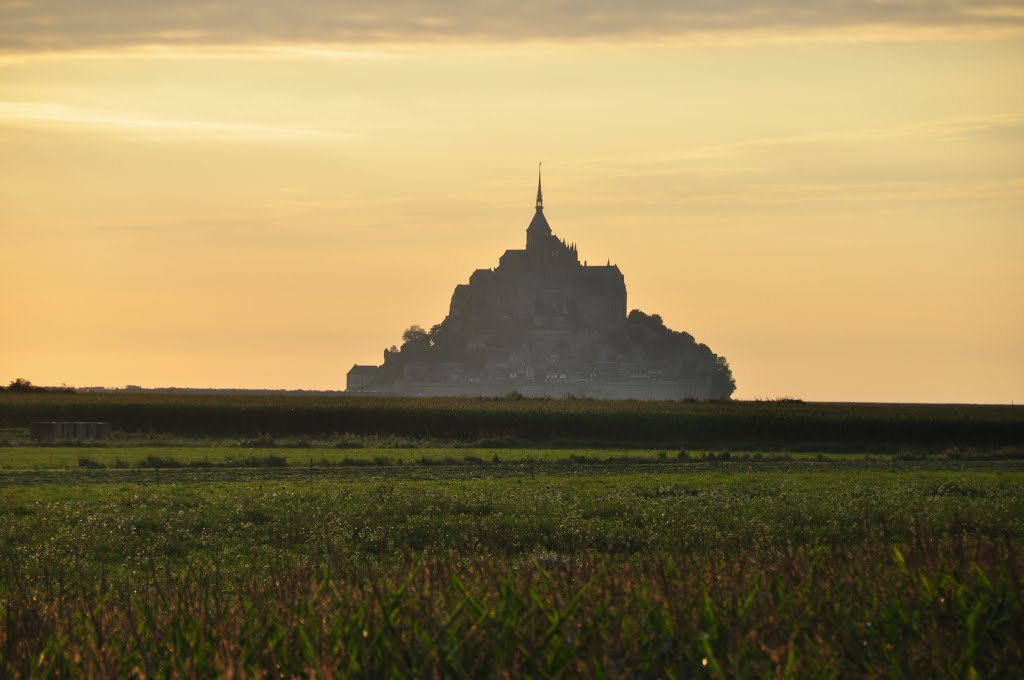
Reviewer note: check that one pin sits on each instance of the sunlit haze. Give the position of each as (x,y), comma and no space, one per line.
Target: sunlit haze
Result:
(834,202)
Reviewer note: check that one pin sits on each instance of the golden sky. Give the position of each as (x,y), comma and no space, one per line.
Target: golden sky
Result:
(234,195)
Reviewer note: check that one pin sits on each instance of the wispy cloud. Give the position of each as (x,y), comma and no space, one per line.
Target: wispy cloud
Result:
(55,25)
(731,153)
(913,162)
(60,115)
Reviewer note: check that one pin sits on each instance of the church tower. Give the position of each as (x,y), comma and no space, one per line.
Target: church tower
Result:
(543,247)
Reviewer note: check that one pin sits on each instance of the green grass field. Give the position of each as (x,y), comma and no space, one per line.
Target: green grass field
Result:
(388,554)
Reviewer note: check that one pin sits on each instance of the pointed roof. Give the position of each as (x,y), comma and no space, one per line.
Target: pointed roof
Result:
(539,223)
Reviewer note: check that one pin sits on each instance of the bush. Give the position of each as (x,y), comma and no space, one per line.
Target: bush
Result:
(264,461)
(262,442)
(154,461)
(355,461)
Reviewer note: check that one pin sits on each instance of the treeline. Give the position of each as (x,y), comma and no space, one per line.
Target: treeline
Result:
(523,422)
(22,386)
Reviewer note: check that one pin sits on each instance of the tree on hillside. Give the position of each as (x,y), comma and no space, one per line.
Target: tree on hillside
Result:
(414,334)
(722,382)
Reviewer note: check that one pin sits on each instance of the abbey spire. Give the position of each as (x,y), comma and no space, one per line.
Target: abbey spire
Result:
(540,195)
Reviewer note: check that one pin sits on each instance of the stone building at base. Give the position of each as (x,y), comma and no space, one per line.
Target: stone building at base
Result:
(544,324)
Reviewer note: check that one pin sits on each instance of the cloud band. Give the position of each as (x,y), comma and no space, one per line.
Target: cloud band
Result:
(56,25)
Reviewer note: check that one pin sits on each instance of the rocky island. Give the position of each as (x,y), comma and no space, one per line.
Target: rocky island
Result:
(544,324)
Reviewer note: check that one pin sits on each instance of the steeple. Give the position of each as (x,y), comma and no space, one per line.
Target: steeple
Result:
(540,195)
(538,231)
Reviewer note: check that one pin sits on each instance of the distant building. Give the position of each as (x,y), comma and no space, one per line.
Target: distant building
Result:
(543,324)
(361,377)
(69,431)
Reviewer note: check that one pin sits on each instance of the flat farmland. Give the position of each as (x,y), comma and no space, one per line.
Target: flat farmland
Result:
(288,553)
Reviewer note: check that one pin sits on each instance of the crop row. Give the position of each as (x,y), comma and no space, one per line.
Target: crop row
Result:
(149,472)
(510,422)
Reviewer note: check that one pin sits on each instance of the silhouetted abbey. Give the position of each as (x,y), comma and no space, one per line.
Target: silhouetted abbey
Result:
(542,324)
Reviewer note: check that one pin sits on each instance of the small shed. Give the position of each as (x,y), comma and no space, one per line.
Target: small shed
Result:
(69,431)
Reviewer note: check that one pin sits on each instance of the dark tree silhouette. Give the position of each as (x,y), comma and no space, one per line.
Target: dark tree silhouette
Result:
(414,334)
(23,386)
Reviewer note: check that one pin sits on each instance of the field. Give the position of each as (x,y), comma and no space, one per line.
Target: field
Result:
(284,553)
(517,422)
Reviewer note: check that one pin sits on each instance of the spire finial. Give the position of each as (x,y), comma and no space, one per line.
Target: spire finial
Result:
(540,196)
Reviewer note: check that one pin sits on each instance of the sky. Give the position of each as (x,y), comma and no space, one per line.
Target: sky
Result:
(261,194)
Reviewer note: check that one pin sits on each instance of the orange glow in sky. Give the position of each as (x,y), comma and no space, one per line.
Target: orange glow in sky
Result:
(838,209)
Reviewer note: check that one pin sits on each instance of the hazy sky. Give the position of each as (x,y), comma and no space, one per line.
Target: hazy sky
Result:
(261,194)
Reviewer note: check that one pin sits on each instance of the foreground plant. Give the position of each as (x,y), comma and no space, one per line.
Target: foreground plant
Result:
(942,604)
